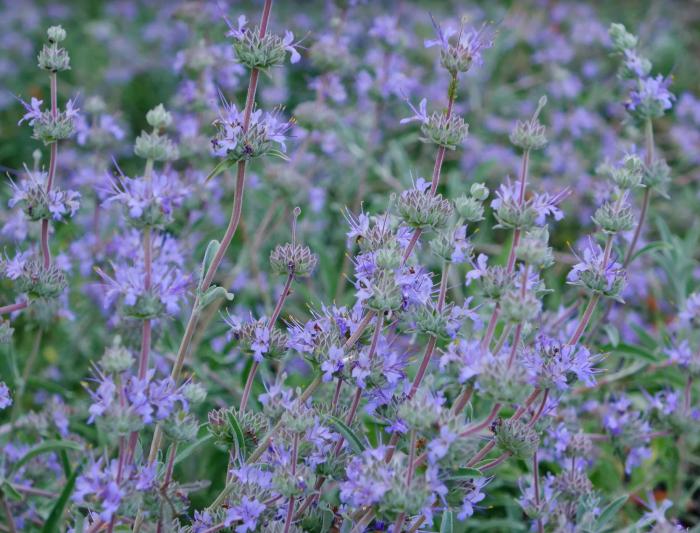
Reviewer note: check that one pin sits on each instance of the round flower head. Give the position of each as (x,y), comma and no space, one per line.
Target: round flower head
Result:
(651,98)
(258,51)
(52,57)
(459,50)
(438,128)
(264,134)
(530,134)
(419,208)
(292,258)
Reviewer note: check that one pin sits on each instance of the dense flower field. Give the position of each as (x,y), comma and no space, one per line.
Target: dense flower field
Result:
(349,266)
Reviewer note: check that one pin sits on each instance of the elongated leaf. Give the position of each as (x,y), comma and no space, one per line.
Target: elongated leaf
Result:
(53,522)
(218,169)
(658,245)
(212,249)
(610,511)
(465,473)
(447,522)
(46,447)
(237,433)
(184,453)
(637,352)
(347,433)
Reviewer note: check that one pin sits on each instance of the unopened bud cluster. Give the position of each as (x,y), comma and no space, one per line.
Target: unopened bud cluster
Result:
(424,210)
(530,134)
(52,57)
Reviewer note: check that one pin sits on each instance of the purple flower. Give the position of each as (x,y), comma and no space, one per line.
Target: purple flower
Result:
(368,478)
(473,497)
(468,45)
(466,355)
(419,115)
(333,364)
(247,512)
(438,447)
(651,97)
(5,398)
(33,111)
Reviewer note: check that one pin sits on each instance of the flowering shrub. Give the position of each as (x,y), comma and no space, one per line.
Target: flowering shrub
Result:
(238,299)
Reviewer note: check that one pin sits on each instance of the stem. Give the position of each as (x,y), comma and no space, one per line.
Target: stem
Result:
(270,325)
(496,462)
(53,151)
(310,389)
(536,485)
(8,514)
(584,319)
(22,385)
(290,508)
(11,308)
(687,394)
(539,412)
(648,161)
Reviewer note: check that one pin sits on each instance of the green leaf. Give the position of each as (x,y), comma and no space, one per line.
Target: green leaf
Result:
(447,522)
(637,352)
(218,169)
(237,433)
(212,249)
(213,294)
(46,447)
(184,453)
(8,489)
(55,518)
(658,245)
(610,511)
(613,334)
(347,433)
(465,473)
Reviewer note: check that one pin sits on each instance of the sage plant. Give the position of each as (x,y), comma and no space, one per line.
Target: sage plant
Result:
(400,302)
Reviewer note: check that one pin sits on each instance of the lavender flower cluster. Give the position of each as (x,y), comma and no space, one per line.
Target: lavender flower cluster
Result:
(251,316)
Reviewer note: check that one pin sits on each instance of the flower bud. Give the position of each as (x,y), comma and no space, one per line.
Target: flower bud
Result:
(621,39)
(469,208)
(627,174)
(117,358)
(502,383)
(420,209)
(6,331)
(579,446)
(56,34)
(448,132)
(515,437)
(52,57)
(479,191)
(495,282)
(40,282)
(298,418)
(155,147)
(510,214)
(159,118)
(518,308)
(573,484)
(614,217)
(386,294)
(388,257)
(422,411)
(428,320)
(293,259)
(530,135)
(181,427)
(657,176)
(533,248)
(195,393)
(261,52)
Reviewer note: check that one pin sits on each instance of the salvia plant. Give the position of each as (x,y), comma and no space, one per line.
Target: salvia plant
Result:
(350,267)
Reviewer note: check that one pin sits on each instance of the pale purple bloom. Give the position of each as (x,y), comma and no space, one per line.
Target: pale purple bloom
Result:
(333,364)
(474,496)
(246,512)
(419,115)
(33,111)
(5,398)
